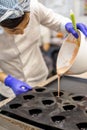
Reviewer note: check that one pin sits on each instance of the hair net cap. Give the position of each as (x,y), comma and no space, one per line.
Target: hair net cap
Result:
(13,8)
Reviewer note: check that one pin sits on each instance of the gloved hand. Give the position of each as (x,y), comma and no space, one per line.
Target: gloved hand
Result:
(80,26)
(16,85)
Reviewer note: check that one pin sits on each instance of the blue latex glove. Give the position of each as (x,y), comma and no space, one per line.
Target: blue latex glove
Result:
(80,26)
(16,85)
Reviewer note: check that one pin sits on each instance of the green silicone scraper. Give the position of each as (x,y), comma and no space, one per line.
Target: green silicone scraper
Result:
(72,16)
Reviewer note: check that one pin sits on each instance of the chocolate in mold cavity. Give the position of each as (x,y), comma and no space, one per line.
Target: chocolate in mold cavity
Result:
(55,93)
(15,106)
(68,107)
(39,90)
(35,112)
(28,97)
(78,98)
(48,102)
(58,119)
(82,126)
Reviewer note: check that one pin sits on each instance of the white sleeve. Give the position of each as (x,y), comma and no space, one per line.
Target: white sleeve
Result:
(52,20)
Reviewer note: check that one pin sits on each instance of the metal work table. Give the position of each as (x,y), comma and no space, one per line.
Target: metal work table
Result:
(7,123)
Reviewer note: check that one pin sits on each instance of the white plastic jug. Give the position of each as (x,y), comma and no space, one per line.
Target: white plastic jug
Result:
(72,57)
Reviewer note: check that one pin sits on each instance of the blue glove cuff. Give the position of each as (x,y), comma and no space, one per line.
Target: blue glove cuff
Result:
(7,80)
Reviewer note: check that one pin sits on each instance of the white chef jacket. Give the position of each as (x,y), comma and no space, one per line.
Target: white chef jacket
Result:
(20,55)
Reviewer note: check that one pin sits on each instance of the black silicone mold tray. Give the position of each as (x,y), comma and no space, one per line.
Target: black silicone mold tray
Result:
(42,108)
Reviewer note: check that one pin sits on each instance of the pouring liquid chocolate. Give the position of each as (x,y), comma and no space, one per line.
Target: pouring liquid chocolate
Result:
(66,57)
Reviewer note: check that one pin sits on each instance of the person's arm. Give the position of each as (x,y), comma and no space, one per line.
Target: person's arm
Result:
(58,22)
(51,19)
(15,84)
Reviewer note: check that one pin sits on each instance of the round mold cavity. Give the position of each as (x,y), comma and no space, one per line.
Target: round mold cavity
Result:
(35,112)
(48,102)
(15,106)
(77,98)
(82,126)
(40,90)
(30,97)
(58,119)
(68,107)
(56,93)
